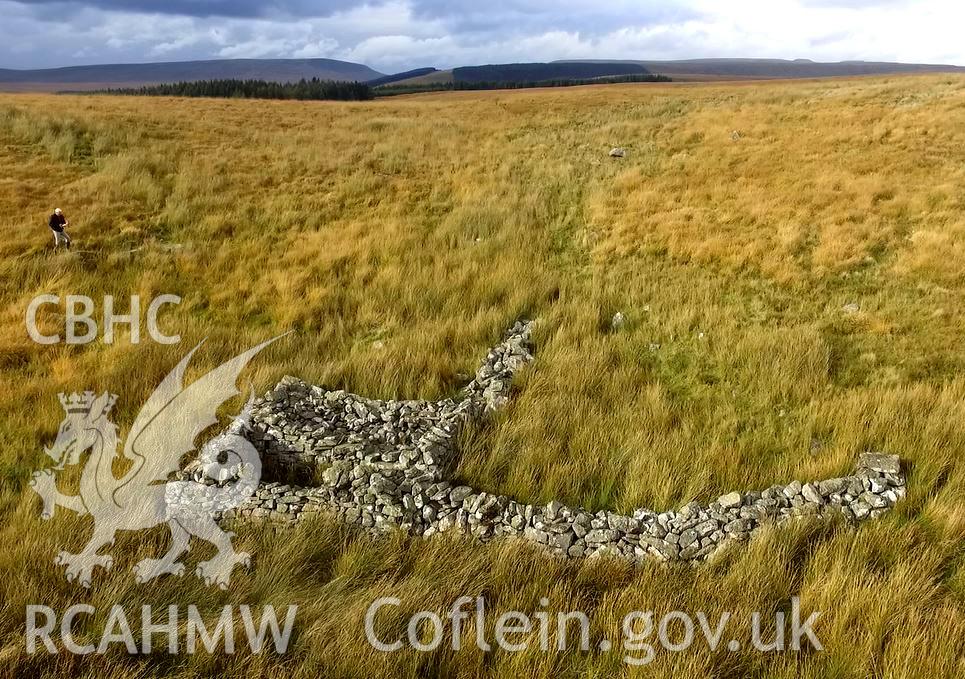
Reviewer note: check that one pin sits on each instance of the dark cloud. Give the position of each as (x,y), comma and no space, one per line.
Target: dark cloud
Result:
(462,15)
(245,9)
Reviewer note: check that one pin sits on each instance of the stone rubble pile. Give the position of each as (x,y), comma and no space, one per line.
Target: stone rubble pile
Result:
(385,465)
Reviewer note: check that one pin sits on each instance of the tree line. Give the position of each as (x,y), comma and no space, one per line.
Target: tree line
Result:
(253,89)
(388,90)
(316,89)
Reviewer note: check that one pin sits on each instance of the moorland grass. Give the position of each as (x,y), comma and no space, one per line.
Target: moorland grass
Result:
(398,238)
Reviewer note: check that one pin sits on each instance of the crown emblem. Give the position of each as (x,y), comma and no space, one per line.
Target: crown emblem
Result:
(82,403)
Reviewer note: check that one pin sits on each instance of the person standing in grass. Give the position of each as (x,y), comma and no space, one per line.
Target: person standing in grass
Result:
(58,224)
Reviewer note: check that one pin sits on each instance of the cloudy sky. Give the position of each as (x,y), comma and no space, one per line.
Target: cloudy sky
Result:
(394,35)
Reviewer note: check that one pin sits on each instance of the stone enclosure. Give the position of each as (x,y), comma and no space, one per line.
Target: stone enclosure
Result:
(388,465)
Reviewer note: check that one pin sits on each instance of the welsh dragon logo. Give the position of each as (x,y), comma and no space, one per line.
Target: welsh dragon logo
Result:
(162,434)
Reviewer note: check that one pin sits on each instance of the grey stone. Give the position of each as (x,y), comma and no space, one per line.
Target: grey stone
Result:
(661,548)
(880,462)
(792,489)
(561,541)
(535,535)
(601,535)
(811,494)
(829,486)
(553,509)
(624,524)
(874,501)
(459,493)
(687,538)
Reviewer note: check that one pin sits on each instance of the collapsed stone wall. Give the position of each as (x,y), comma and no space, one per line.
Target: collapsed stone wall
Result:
(387,465)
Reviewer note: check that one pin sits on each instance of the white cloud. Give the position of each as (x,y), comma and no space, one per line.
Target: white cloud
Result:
(320,48)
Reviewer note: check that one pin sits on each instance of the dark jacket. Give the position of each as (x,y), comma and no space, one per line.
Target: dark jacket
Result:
(57,222)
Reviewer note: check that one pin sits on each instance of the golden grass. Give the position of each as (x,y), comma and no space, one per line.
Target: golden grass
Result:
(430,223)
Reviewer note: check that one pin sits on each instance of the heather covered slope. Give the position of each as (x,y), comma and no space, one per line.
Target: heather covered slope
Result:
(277,70)
(767,69)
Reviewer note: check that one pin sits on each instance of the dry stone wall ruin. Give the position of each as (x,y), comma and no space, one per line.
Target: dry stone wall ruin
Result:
(387,465)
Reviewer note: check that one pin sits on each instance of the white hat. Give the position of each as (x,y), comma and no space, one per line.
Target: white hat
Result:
(58,211)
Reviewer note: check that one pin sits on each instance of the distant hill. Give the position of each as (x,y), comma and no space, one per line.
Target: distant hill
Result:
(125,75)
(724,69)
(556,70)
(405,75)
(515,73)
(289,70)
(681,70)
(431,78)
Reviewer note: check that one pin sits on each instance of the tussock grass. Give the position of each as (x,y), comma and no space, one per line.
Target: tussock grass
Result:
(400,237)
